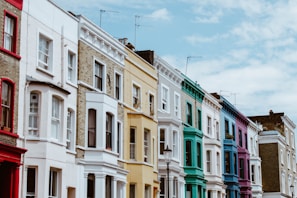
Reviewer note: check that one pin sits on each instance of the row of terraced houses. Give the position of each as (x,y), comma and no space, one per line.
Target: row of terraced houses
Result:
(86,115)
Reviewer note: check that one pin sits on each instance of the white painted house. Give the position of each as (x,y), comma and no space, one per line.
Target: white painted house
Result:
(47,100)
(170,129)
(213,167)
(253,131)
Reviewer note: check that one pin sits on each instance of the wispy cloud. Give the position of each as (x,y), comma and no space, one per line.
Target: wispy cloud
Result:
(161,14)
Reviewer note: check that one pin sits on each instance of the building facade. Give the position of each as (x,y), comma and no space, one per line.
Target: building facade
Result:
(277,141)
(141,126)
(100,113)
(192,98)
(170,130)
(48,90)
(253,131)
(10,153)
(212,147)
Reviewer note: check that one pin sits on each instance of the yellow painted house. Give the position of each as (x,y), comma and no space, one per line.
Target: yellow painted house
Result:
(140,128)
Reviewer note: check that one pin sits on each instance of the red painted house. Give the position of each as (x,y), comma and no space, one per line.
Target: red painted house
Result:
(10,154)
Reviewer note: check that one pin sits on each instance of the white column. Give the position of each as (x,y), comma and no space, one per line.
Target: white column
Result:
(114,188)
(85,190)
(99,185)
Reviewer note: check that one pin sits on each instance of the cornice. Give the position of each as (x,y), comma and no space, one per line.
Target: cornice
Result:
(193,89)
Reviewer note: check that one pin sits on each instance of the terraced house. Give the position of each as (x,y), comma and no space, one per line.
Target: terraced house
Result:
(47,100)
(141,126)
(192,98)
(170,130)
(10,154)
(212,146)
(100,113)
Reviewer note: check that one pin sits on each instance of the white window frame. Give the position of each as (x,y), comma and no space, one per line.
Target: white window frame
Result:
(218,130)
(177,105)
(99,74)
(146,146)
(109,131)
(165,98)
(31,194)
(209,125)
(56,117)
(147,191)
(54,183)
(70,129)
(34,114)
(46,51)
(136,96)
(132,144)
(118,84)
(71,67)
(218,161)
(163,142)
(208,161)
(151,103)
(175,144)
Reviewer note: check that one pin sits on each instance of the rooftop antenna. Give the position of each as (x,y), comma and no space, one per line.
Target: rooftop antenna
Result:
(188,59)
(137,25)
(103,11)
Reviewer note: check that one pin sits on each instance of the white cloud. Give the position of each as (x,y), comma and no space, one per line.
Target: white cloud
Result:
(161,14)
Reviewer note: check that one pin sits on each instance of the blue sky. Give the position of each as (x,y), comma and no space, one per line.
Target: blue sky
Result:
(245,50)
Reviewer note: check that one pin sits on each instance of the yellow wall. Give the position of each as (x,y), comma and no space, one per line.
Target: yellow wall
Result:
(140,173)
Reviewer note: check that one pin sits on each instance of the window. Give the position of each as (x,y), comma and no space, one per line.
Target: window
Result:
(146,141)
(45,53)
(53,184)
(227,162)
(136,96)
(162,141)
(71,66)
(119,139)
(91,186)
(218,130)
(240,137)
(132,143)
(10,31)
(199,156)
(33,114)
(147,191)
(189,113)
(118,86)
(209,125)
(218,163)
(56,117)
(177,105)
(233,131)
(208,161)
(108,186)
(132,191)
(165,98)
(7,89)
(189,191)
(152,104)
(188,153)
(235,163)
(175,187)
(288,160)
(175,144)
(109,120)
(162,187)
(70,131)
(99,69)
(92,128)
(199,119)
(246,141)
(241,168)
(226,127)
(31,182)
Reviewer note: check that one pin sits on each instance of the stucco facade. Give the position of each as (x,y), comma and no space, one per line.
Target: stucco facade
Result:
(212,153)
(141,127)
(170,129)
(193,135)
(47,100)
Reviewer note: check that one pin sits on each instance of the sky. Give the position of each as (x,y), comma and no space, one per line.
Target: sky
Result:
(243,50)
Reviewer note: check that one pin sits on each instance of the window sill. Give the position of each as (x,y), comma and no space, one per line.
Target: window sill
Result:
(10,53)
(45,71)
(8,133)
